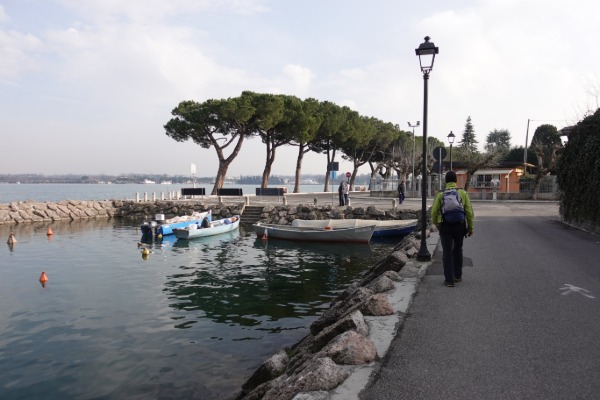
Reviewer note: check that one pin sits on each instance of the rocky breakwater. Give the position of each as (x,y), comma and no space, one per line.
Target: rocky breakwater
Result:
(339,341)
(170,209)
(284,215)
(30,211)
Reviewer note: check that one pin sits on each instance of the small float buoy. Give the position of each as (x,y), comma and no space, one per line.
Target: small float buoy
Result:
(11,239)
(159,236)
(43,278)
(50,233)
(328,228)
(145,251)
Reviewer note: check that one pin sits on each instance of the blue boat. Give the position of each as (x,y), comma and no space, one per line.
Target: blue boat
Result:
(163,227)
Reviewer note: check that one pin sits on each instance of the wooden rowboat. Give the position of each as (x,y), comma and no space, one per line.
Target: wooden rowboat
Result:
(360,234)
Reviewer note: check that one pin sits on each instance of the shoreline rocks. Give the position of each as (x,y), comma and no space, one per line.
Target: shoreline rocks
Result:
(338,340)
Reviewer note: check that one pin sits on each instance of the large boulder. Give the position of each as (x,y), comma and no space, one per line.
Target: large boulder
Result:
(319,374)
(350,348)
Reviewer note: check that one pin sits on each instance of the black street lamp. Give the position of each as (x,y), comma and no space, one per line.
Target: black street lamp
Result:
(451,140)
(412,181)
(426,53)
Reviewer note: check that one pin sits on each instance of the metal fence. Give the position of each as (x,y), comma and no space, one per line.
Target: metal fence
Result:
(547,185)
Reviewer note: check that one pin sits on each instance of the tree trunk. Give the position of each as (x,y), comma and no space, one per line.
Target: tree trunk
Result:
(468,181)
(299,168)
(225,162)
(536,184)
(268,164)
(328,173)
(221,174)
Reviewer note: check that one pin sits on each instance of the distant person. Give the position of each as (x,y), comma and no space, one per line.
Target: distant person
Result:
(341,193)
(453,215)
(346,193)
(401,192)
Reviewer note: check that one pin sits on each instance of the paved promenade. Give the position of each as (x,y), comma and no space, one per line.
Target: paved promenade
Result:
(521,325)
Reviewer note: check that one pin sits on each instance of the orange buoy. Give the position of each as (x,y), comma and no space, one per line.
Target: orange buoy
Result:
(328,228)
(43,278)
(50,233)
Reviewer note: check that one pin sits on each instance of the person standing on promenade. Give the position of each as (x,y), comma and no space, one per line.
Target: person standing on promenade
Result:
(453,215)
(401,192)
(341,193)
(346,193)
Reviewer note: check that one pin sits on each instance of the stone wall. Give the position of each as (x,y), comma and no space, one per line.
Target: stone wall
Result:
(284,215)
(29,211)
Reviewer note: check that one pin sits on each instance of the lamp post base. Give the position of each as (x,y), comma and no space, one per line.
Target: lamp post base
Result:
(423,254)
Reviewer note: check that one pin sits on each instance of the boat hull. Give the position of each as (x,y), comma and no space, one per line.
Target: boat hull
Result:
(342,235)
(219,227)
(166,228)
(382,228)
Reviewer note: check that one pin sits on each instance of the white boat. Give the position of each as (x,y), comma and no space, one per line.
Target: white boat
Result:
(401,227)
(163,227)
(360,234)
(213,228)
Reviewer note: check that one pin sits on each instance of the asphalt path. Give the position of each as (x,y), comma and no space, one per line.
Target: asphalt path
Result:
(523,324)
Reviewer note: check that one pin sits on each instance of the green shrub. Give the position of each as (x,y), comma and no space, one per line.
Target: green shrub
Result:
(579,175)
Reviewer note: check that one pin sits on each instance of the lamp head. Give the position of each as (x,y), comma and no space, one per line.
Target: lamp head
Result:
(426,53)
(451,137)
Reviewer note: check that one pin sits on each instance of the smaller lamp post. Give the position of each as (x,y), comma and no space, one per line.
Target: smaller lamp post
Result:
(412,181)
(451,140)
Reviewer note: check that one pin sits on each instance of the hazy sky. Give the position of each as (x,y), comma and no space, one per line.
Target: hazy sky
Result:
(87,85)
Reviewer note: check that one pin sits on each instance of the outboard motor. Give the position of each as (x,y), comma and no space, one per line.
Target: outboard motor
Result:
(146,228)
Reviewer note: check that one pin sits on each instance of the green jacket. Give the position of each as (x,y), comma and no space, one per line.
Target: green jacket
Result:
(436,209)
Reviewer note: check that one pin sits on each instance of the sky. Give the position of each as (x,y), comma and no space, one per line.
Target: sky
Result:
(86,86)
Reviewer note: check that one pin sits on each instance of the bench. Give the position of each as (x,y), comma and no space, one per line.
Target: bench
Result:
(193,191)
(276,191)
(270,191)
(230,192)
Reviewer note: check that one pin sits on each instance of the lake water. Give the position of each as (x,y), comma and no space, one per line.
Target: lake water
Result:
(193,320)
(63,191)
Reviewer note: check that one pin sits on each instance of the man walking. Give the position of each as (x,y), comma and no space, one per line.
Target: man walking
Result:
(453,215)
(401,192)
(341,193)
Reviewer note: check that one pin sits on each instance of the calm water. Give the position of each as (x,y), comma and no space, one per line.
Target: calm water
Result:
(192,321)
(58,191)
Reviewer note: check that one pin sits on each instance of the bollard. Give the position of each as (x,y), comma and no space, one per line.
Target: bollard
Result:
(137,197)
(220,199)
(247,200)
(145,196)
(394,206)
(285,200)
(153,196)
(349,202)
(162,195)
(315,201)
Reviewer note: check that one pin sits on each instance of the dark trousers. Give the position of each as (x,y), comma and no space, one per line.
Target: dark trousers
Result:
(452,236)
(341,198)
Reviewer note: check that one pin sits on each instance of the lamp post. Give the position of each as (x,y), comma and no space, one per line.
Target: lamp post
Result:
(412,181)
(426,53)
(451,140)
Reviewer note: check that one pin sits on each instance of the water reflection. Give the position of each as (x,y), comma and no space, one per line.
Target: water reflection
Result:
(236,280)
